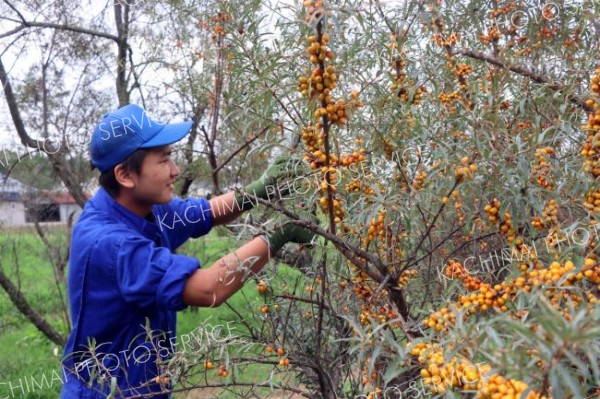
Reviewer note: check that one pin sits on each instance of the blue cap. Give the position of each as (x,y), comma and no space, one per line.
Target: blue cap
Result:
(129,128)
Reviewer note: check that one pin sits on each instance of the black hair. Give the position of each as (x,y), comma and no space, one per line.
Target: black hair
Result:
(132,163)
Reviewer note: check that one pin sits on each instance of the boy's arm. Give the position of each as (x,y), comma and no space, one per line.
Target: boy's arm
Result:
(271,185)
(214,285)
(224,208)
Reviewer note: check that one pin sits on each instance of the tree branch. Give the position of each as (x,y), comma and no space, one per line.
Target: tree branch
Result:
(523,71)
(246,144)
(122,22)
(20,302)
(65,27)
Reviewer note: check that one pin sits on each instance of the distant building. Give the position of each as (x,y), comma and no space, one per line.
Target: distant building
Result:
(22,205)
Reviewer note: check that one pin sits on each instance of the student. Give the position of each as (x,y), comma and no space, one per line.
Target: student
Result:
(124,279)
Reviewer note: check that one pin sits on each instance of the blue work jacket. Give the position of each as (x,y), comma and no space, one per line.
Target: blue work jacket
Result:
(125,285)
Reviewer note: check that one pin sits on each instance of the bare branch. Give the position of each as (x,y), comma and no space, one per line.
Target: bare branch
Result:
(246,144)
(521,70)
(64,27)
(21,303)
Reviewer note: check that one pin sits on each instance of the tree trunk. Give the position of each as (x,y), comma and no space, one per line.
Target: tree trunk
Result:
(17,298)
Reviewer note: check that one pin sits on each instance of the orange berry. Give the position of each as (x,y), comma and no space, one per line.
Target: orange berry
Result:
(261,287)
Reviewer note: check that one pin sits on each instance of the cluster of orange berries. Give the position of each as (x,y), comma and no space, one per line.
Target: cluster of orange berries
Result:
(361,288)
(506,226)
(553,278)
(314,10)
(538,275)
(460,215)
(441,320)
(485,297)
(507,231)
(463,69)
(338,209)
(376,312)
(313,142)
(591,147)
(284,361)
(354,185)
(492,210)
(405,278)
(591,270)
(550,216)
(441,38)
(402,87)
(318,83)
(217,31)
(448,98)
(494,13)
(547,33)
(455,270)
(280,351)
(492,36)
(376,227)
(355,157)
(543,169)
(313,138)
(449,40)
(162,379)
(488,297)
(222,371)
(499,387)
(466,170)
(318,86)
(370,377)
(439,375)
(419,179)
(592,201)
(337,111)
(322,80)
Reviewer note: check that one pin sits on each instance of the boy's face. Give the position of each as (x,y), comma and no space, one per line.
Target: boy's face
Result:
(155,182)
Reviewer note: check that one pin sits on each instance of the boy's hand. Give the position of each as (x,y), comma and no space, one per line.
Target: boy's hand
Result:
(273,180)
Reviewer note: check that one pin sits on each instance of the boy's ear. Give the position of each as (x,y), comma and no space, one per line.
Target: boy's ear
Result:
(124,177)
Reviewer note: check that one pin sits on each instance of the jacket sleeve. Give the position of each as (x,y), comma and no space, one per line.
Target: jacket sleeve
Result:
(181,219)
(148,275)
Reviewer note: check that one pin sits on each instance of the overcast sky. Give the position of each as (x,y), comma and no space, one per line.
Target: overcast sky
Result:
(17,62)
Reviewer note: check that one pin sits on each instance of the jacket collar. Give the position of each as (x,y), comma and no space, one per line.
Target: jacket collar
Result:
(103,201)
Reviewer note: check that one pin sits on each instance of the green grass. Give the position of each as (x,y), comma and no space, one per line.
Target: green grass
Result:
(26,354)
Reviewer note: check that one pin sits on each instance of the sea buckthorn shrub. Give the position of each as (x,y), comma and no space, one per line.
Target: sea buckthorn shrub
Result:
(453,151)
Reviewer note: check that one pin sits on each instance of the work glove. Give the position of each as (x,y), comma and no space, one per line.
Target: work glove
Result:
(290,233)
(273,182)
